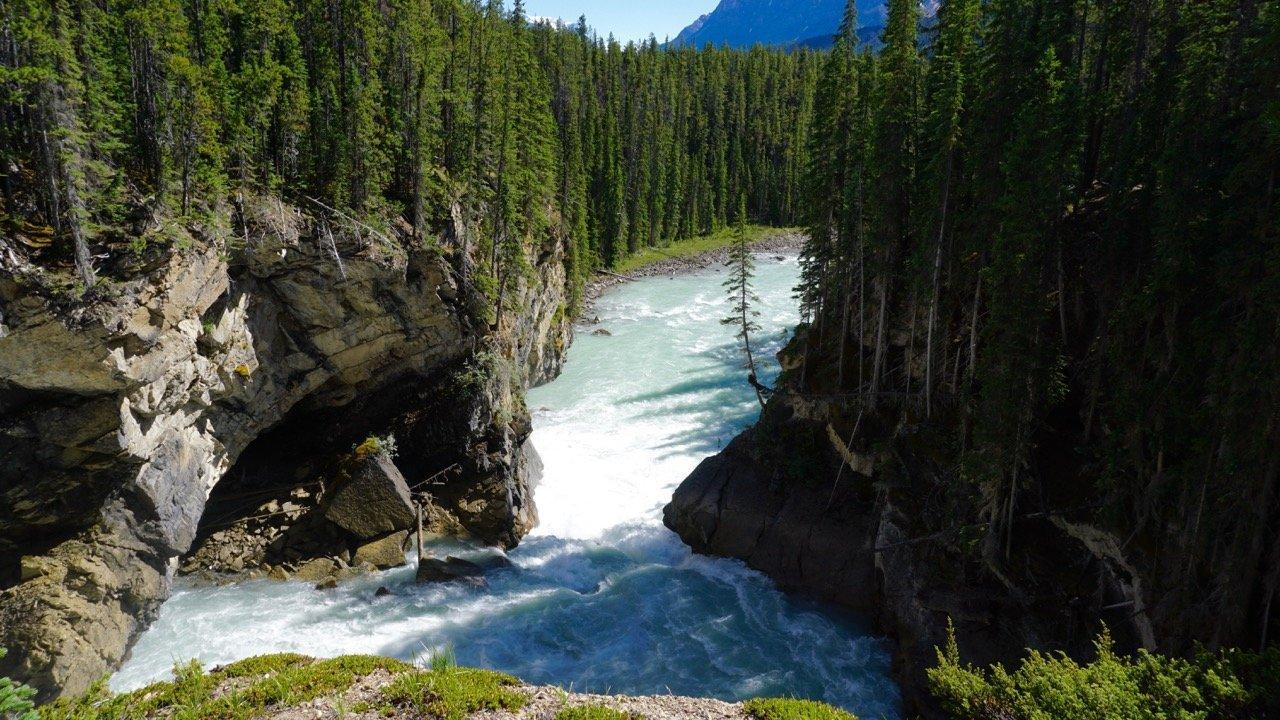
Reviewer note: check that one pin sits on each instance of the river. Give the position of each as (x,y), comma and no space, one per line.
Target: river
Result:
(601,597)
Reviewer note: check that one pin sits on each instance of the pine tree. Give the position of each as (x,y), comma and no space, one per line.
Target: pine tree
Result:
(742,298)
(415,69)
(895,168)
(949,77)
(268,98)
(828,173)
(43,74)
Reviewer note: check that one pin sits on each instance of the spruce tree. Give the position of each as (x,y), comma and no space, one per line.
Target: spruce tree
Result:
(950,76)
(742,297)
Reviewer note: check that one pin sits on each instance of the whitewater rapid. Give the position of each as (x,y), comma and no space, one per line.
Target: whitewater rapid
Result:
(601,597)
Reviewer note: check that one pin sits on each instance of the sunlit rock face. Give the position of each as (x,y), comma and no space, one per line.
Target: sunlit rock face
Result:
(119,413)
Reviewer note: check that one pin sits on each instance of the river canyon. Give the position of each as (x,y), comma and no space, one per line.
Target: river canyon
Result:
(600,596)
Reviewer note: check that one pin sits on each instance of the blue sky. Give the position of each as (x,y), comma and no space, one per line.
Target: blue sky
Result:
(626,19)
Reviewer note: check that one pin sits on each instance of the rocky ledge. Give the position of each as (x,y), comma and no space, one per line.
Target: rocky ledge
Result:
(862,523)
(245,358)
(293,687)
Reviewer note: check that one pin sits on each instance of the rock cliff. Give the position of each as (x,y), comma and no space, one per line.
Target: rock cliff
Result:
(857,509)
(265,344)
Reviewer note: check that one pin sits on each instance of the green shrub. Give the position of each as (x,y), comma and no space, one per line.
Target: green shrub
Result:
(16,700)
(453,693)
(1112,687)
(373,445)
(791,709)
(1260,673)
(593,712)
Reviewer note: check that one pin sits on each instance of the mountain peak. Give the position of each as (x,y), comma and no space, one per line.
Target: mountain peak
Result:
(742,23)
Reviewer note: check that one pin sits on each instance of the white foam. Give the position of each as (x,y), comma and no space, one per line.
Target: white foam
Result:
(602,596)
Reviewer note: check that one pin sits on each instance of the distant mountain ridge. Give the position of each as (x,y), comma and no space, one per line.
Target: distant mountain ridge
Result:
(787,23)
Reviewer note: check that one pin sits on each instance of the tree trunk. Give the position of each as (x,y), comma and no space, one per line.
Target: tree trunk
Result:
(973,332)
(933,300)
(877,367)
(844,336)
(65,203)
(862,301)
(1062,296)
(911,347)
(746,335)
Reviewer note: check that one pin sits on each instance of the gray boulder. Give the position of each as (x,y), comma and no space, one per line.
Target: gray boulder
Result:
(448,570)
(374,501)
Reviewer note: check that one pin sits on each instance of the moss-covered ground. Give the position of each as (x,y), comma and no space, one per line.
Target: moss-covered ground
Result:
(289,686)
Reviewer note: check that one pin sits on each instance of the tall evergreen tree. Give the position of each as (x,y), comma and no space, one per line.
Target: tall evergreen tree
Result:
(743,300)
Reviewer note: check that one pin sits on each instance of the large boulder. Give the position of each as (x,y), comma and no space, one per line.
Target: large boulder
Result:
(483,490)
(433,570)
(374,499)
(315,570)
(385,552)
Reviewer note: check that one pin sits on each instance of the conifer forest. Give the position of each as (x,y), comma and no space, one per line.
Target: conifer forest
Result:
(1036,373)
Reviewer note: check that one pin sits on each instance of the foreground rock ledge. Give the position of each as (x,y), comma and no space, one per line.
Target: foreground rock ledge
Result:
(120,413)
(289,686)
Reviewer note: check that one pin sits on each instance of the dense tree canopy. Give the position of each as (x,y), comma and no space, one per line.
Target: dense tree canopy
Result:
(1055,224)
(114,110)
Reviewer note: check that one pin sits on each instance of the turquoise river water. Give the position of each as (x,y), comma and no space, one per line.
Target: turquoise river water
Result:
(601,597)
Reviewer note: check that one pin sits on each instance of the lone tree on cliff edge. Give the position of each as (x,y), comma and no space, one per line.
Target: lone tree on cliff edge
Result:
(741,272)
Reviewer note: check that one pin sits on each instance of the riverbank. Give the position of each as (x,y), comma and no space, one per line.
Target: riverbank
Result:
(692,255)
(289,686)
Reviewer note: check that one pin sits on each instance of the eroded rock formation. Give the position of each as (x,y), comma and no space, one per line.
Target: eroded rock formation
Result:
(120,413)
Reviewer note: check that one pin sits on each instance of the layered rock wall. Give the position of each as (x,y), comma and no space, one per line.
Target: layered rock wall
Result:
(119,414)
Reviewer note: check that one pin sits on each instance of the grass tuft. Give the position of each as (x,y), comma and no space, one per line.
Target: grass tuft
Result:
(443,659)
(323,677)
(188,697)
(453,693)
(790,709)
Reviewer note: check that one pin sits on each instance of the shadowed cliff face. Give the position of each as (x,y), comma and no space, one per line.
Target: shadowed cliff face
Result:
(879,535)
(119,415)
